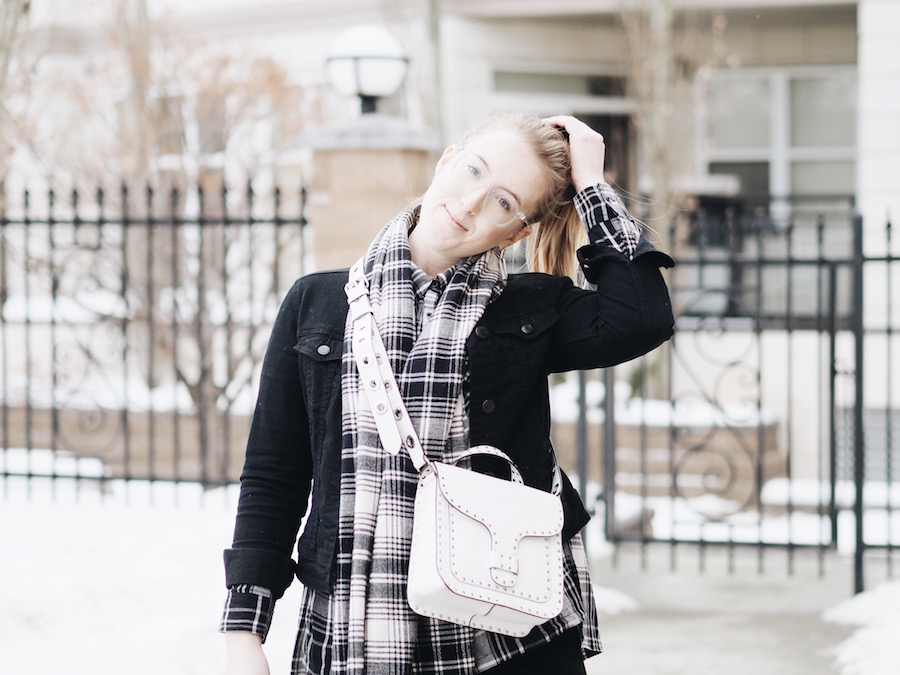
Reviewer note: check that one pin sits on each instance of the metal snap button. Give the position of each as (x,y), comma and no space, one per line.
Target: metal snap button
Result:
(482,332)
(488,406)
(324,350)
(527,328)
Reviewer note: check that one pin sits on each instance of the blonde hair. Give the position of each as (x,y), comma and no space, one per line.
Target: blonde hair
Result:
(557,231)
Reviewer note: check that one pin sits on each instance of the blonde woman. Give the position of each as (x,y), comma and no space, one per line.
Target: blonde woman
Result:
(471,347)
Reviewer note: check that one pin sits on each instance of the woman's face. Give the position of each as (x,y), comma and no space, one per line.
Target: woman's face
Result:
(495,177)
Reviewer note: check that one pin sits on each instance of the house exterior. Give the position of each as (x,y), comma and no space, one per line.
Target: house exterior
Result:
(778,96)
(702,102)
(786,96)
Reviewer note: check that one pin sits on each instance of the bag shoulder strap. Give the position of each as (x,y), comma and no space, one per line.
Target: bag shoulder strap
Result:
(391,416)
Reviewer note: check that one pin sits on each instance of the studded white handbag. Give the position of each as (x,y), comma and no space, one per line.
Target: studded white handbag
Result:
(486,552)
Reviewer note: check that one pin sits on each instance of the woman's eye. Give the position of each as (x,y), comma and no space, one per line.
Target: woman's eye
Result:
(504,203)
(474,171)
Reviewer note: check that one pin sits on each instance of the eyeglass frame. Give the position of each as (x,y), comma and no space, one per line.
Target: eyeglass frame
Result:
(519,214)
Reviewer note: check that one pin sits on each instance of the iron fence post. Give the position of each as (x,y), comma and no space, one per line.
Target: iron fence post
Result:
(832,404)
(609,452)
(858,432)
(581,435)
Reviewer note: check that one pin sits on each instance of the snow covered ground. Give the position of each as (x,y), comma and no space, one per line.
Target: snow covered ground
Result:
(872,649)
(131,582)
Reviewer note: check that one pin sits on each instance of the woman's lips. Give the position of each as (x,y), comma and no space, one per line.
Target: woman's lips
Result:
(454,220)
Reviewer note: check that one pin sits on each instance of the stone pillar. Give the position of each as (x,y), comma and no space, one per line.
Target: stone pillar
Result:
(363,173)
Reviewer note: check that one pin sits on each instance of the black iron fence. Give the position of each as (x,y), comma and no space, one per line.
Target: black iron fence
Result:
(132,328)
(769,420)
(133,325)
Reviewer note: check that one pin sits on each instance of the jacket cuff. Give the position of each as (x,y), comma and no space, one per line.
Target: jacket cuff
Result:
(592,257)
(258,567)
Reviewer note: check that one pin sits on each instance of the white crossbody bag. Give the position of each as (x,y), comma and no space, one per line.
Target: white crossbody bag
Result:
(486,552)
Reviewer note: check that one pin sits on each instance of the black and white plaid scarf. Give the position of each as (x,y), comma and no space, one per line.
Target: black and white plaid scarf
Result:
(374,631)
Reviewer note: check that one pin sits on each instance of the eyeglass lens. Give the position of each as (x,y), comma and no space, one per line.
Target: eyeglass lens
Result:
(499,206)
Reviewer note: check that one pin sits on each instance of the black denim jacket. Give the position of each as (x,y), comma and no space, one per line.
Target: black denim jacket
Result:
(539,325)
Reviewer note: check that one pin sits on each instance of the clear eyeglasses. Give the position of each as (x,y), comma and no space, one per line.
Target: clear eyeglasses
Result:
(499,206)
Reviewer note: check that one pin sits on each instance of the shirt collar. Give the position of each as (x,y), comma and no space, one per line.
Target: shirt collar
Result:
(422,283)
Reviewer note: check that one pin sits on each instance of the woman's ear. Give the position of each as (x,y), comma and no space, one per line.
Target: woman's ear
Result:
(516,237)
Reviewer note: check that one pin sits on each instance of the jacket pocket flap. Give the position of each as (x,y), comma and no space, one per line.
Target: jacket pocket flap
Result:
(527,326)
(320,347)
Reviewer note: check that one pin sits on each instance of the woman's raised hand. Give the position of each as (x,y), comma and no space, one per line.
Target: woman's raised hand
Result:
(587,150)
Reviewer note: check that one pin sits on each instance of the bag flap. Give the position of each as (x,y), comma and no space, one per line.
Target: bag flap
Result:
(508,510)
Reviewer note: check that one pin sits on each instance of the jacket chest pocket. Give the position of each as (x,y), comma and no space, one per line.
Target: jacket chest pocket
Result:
(319,362)
(521,342)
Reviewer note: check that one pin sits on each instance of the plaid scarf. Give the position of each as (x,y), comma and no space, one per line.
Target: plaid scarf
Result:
(374,629)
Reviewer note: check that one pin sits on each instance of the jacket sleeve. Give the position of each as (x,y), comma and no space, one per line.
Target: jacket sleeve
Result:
(277,473)
(629,313)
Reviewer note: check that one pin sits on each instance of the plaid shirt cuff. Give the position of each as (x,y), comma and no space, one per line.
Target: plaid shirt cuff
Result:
(248,608)
(606,219)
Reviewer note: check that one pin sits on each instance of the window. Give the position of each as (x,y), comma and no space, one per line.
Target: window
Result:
(597,96)
(795,129)
(169,124)
(212,132)
(559,83)
(789,136)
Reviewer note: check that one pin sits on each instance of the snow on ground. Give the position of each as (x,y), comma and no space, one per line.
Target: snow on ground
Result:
(93,586)
(131,581)
(872,649)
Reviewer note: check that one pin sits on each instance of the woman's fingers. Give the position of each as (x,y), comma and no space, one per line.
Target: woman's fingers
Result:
(587,150)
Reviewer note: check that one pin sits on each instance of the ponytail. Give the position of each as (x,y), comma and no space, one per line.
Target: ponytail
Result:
(554,241)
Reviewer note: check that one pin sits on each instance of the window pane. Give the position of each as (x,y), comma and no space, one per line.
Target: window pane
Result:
(169,125)
(820,178)
(823,111)
(754,176)
(541,82)
(560,83)
(739,113)
(211,123)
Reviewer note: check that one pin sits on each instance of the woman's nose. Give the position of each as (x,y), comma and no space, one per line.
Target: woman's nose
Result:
(473,199)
